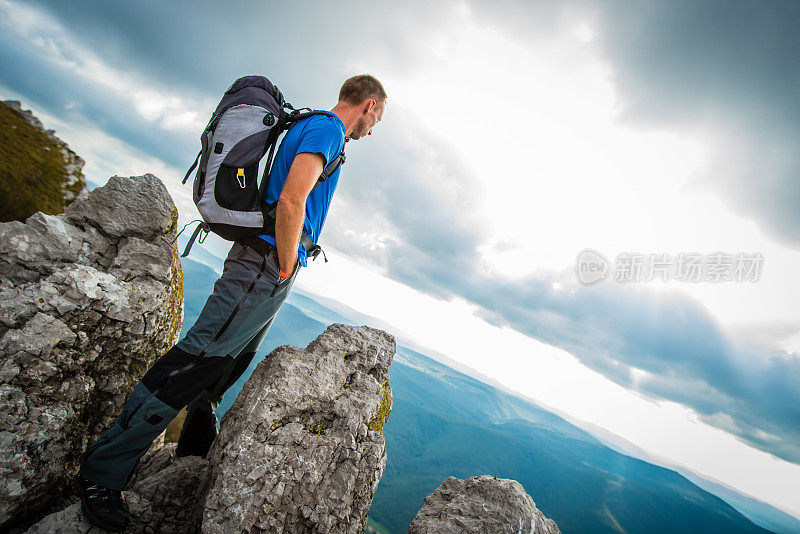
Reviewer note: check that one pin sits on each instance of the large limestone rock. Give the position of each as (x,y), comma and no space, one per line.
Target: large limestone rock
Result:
(88,300)
(482,504)
(302,448)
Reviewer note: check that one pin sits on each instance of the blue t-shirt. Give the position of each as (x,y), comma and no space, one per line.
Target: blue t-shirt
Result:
(321,134)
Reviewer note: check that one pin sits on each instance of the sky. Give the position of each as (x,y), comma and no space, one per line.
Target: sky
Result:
(516,135)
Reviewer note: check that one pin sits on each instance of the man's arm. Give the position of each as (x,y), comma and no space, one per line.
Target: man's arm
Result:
(303,174)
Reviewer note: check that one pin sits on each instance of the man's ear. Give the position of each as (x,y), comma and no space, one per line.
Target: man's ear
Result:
(370,104)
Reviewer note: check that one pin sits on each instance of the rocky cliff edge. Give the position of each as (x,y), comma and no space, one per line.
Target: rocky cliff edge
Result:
(88,300)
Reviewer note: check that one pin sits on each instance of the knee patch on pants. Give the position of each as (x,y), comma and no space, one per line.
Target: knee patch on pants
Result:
(178,377)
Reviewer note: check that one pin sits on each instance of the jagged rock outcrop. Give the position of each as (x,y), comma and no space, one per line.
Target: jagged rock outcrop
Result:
(88,300)
(484,504)
(38,171)
(302,448)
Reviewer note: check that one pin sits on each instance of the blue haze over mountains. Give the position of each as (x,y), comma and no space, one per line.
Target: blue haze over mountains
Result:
(447,423)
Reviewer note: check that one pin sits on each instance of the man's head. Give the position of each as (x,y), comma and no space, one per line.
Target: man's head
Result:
(364,100)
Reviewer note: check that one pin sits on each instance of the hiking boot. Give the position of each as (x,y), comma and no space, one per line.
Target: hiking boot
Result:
(103,506)
(198,433)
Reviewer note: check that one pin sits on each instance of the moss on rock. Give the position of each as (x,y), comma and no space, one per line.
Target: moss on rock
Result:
(384,409)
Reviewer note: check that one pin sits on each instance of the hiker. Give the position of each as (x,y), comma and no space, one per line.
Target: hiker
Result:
(258,274)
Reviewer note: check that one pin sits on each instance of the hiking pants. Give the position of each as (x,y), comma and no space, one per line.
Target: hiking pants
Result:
(200,367)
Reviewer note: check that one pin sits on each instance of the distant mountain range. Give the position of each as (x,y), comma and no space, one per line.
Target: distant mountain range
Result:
(446,422)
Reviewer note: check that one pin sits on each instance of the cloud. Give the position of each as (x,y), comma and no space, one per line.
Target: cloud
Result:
(726,68)
(665,345)
(730,66)
(121,101)
(408,204)
(419,201)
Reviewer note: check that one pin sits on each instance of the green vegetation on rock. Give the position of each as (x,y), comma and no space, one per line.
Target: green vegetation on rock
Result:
(38,171)
(385,408)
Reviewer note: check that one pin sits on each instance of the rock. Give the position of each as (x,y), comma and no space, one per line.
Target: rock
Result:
(166,501)
(88,300)
(301,450)
(481,504)
(116,212)
(161,499)
(302,447)
(38,171)
(70,520)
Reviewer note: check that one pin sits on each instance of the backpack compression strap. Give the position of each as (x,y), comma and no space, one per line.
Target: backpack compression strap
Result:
(194,165)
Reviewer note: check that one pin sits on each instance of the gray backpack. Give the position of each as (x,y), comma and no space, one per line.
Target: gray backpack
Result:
(247,122)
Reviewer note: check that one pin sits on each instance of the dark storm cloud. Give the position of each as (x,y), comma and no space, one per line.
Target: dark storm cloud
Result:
(691,61)
(195,52)
(53,85)
(734,64)
(730,67)
(411,211)
(191,46)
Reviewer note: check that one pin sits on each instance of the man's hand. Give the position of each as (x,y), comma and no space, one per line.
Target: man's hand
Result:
(291,212)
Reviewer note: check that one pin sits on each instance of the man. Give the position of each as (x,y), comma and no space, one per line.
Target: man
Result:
(257,276)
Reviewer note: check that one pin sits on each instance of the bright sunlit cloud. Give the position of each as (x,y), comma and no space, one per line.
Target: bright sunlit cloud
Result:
(561,171)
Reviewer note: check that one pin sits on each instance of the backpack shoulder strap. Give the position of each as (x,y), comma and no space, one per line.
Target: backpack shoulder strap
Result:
(331,167)
(296,115)
(270,212)
(285,122)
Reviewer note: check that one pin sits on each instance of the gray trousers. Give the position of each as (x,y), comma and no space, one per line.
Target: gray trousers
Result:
(200,367)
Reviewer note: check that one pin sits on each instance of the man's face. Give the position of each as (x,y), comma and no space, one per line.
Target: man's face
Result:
(367,121)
